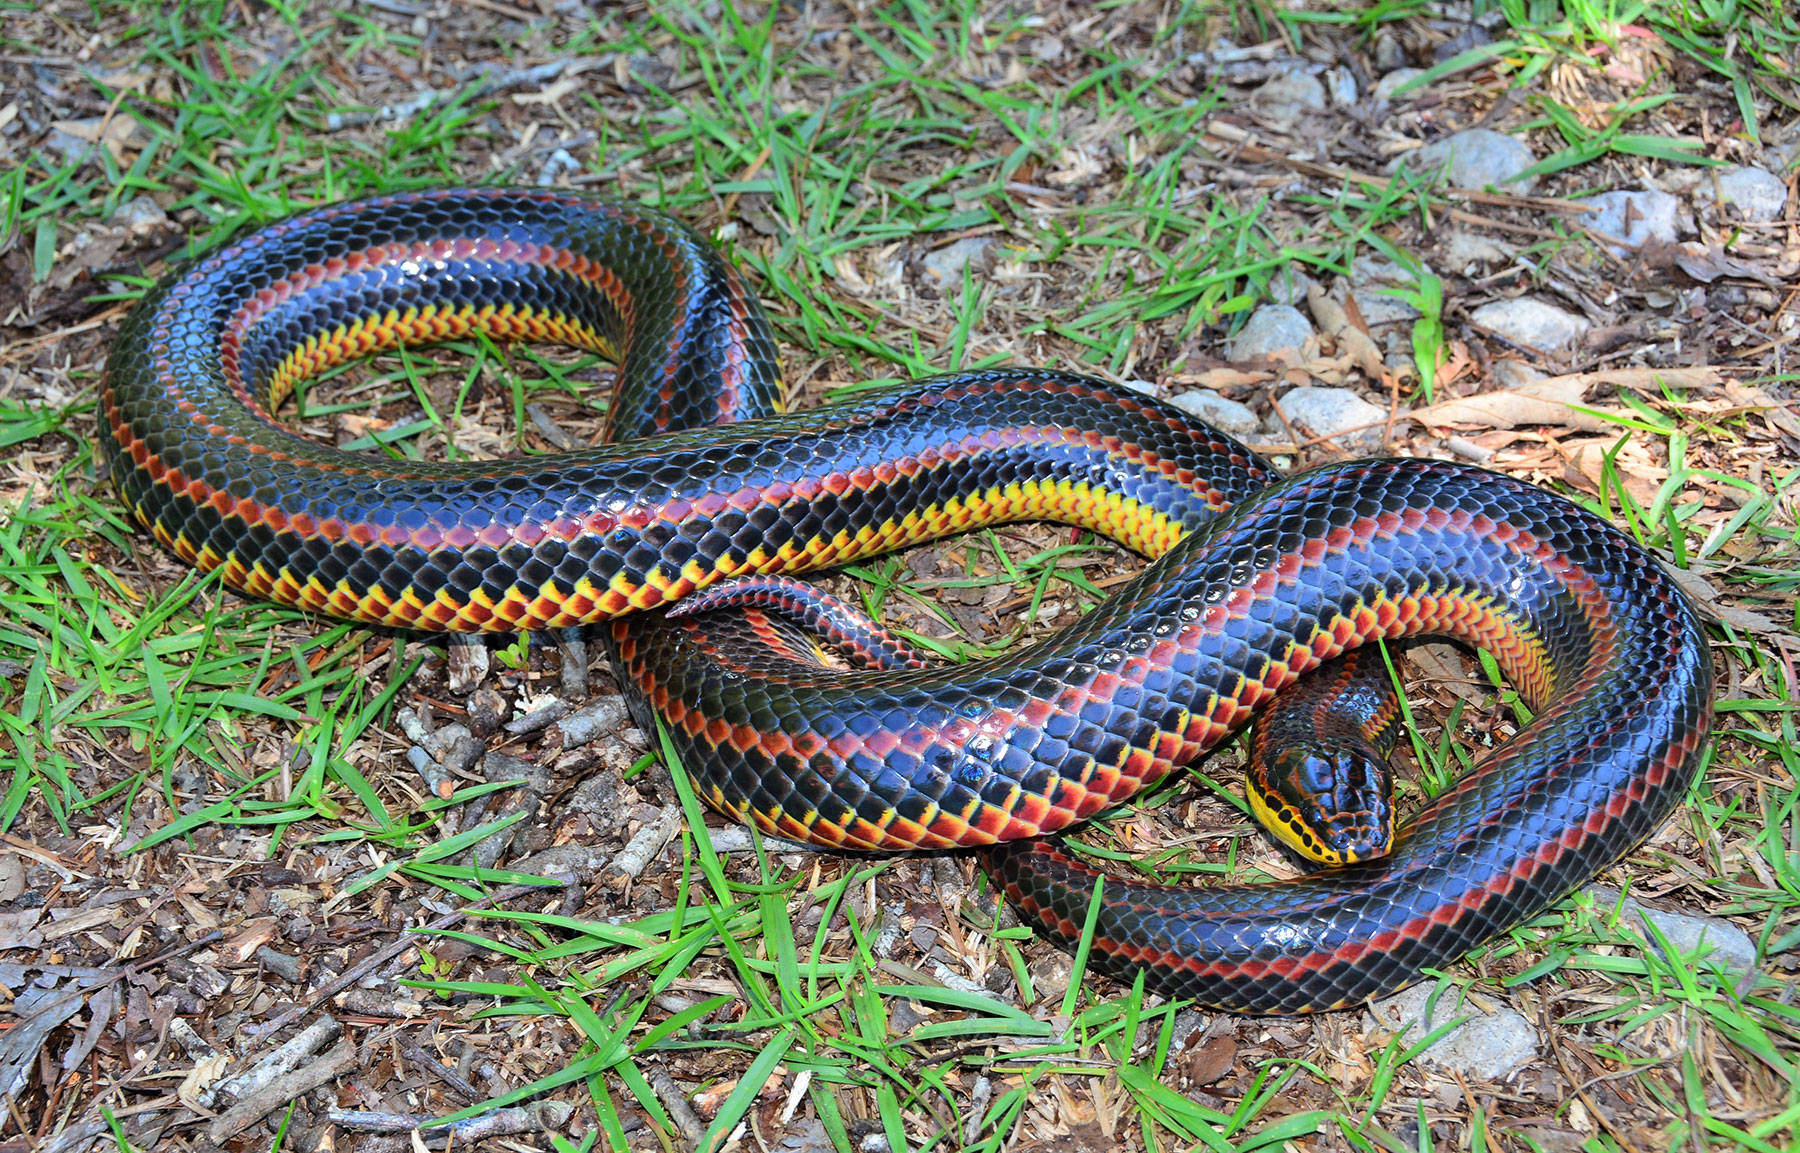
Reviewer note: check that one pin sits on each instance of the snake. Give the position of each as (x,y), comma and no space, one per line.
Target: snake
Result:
(1257,579)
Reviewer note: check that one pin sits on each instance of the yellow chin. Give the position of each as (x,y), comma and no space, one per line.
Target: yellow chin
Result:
(1285,822)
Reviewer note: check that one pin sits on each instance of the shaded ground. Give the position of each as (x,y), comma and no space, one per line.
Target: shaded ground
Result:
(1113,191)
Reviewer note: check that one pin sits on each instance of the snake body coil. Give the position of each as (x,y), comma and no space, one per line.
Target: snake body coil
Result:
(1598,639)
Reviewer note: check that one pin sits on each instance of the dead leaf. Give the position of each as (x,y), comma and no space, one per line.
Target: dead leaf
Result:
(1354,344)
(101,1007)
(1545,401)
(553,93)
(119,135)
(1651,379)
(1444,665)
(1211,1061)
(1632,465)
(12,878)
(1456,365)
(65,923)
(247,940)
(194,1087)
(1743,620)
(1704,262)
(17,929)
(32,1024)
(1779,414)
(1221,378)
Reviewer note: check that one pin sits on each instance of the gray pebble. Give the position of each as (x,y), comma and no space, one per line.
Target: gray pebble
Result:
(1633,218)
(1271,329)
(1531,323)
(1340,87)
(1289,286)
(1336,413)
(1726,946)
(946,265)
(1488,1046)
(140,214)
(1384,88)
(1189,1023)
(1476,158)
(1511,373)
(1781,146)
(1466,251)
(1758,196)
(65,146)
(1287,96)
(1228,416)
(1389,54)
(1371,283)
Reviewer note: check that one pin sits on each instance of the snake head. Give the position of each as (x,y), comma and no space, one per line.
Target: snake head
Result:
(1331,802)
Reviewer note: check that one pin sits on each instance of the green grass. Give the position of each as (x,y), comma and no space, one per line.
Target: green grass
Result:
(153,707)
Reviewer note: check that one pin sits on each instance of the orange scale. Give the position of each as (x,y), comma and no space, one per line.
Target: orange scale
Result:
(1445,914)
(1103,781)
(813,830)
(494,536)
(896,830)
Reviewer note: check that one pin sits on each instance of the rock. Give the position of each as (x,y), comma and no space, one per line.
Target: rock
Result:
(945,265)
(1511,373)
(1476,158)
(1050,974)
(1384,88)
(1228,416)
(1290,286)
(66,147)
(1340,87)
(1271,330)
(1371,283)
(140,214)
(1759,196)
(1473,35)
(1531,323)
(1336,413)
(1464,251)
(1287,96)
(1389,54)
(1491,1044)
(1633,218)
(1726,947)
(1189,1024)
(1781,146)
